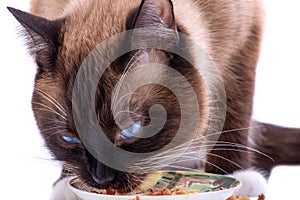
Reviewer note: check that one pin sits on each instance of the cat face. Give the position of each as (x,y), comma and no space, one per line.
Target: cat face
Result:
(60,47)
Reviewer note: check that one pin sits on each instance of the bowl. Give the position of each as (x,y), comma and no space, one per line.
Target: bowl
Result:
(204,186)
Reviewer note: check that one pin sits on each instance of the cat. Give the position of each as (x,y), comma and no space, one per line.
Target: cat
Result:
(62,33)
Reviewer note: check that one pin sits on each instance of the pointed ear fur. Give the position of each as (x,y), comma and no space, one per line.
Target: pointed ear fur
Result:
(42,36)
(155,13)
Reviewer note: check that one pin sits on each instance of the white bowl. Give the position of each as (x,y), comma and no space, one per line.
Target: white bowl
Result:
(228,184)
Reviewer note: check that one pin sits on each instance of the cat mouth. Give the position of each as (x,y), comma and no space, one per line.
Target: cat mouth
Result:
(115,183)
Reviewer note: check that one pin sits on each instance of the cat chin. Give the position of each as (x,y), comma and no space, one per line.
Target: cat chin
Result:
(253,182)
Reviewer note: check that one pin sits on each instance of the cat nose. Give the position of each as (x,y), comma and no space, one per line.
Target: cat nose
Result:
(103,175)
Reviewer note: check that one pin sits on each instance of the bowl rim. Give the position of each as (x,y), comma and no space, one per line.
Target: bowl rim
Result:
(235,188)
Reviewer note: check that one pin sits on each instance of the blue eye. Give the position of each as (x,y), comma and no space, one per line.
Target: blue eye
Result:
(131,131)
(70,140)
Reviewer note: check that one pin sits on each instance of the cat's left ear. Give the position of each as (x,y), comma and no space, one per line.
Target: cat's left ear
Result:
(158,13)
(42,36)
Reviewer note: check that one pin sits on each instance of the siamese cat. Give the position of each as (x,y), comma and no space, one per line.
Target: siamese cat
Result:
(62,33)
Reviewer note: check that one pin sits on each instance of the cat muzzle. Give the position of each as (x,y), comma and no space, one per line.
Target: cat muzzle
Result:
(103,175)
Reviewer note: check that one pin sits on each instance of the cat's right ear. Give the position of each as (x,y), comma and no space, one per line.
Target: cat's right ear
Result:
(42,36)
(159,13)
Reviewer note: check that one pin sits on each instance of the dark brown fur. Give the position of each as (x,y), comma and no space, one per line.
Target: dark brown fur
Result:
(280,143)
(229,31)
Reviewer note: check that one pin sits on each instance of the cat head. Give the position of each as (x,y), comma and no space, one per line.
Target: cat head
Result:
(60,47)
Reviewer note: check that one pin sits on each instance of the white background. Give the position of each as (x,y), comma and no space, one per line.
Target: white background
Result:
(26,170)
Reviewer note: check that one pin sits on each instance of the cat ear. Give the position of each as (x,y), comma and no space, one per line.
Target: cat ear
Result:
(42,36)
(155,13)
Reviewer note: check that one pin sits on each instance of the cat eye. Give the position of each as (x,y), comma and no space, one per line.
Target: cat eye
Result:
(70,140)
(131,131)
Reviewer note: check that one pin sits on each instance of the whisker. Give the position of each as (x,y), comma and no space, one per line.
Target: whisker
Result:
(226,159)
(127,111)
(136,181)
(51,111)
(52,101)
(154,160)
(120,99)
(128,66)
(240,129)
(44,160)
(55,133)
(53,120)
(179,167)
(52,128)
(214,165)
(183,153)
(250,149)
